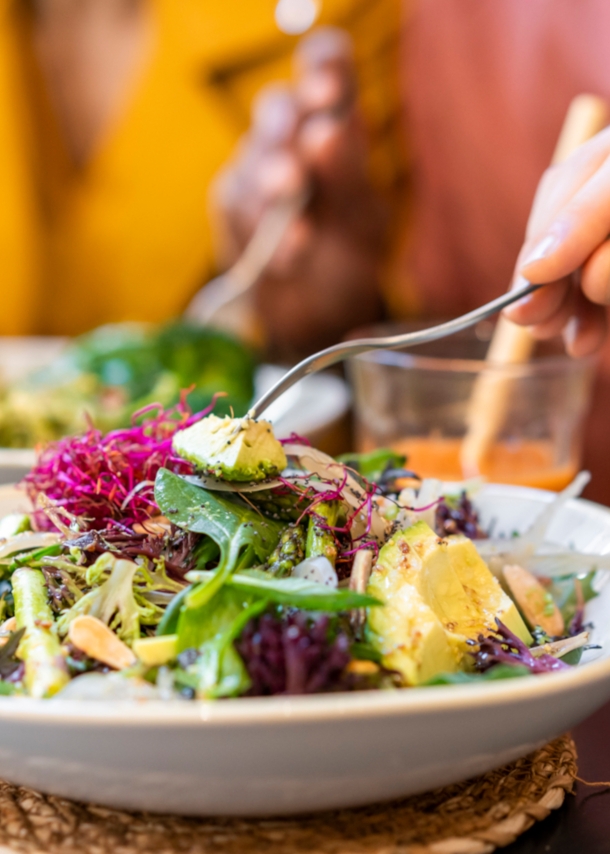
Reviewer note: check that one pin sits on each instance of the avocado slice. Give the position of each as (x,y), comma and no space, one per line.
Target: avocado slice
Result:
(234,449)
(156,651)
(431,583)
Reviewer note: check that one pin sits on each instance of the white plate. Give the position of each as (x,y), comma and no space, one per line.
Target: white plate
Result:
(286,755)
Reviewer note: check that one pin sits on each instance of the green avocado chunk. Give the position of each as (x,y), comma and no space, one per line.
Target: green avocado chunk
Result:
(234,449)
(439,594)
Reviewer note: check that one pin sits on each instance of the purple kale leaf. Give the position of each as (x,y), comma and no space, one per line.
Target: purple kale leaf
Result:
(504,647)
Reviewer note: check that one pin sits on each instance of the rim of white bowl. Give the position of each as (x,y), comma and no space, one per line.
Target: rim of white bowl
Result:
(261,711)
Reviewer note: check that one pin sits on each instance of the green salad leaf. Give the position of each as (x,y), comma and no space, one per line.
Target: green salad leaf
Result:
(212,629)
(242,535)
(113,601)
(295,592)
(565,596)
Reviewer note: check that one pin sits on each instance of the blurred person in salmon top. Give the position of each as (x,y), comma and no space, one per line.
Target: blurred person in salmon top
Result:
(485,90)
(418,128)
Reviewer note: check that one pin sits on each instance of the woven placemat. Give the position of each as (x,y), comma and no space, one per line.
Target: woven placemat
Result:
(473,817)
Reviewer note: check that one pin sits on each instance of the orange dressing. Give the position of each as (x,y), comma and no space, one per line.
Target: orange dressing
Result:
(527,463)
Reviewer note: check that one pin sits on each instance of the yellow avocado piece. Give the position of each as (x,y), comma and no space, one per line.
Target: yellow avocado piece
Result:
(409,635)
(430,583)
(235,449)
(156,651)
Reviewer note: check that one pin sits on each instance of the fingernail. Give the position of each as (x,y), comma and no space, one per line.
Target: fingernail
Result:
(541,250)
(570,333)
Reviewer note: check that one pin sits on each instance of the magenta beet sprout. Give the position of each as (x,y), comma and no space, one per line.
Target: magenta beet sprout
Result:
(104,479)
(295,439)
(430,506)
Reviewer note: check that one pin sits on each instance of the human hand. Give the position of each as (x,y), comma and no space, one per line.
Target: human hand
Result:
(309,138)
(567,246)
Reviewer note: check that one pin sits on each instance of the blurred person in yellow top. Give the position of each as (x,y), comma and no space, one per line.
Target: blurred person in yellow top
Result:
(115,116)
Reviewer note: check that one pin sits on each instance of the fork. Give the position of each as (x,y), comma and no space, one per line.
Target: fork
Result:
(347,349)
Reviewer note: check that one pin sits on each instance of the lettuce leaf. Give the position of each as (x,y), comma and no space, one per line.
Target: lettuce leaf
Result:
(296,592)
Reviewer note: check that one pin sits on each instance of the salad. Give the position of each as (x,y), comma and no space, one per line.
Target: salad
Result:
(198,557)
(108,374)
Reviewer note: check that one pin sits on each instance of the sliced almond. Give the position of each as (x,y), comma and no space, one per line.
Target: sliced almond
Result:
(95,639)
(534,602)
(158,525)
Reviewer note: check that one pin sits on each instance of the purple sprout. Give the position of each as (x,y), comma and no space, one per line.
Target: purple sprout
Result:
(504,647)
(295,654)
(458,517)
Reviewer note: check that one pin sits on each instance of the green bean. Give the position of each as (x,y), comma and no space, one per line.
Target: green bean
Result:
(289,551)
(40,650)
(320,541)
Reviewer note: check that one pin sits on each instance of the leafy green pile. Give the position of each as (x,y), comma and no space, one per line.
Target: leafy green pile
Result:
(108,374)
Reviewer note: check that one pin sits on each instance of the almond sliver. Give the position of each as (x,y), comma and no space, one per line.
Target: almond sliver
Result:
(95,639)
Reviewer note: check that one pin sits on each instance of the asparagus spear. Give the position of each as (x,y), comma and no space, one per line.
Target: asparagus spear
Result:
(40,650)
(321,542)
(289,551)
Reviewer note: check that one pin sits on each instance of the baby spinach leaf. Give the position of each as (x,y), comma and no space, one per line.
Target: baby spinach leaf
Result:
(242,535)
(296,592)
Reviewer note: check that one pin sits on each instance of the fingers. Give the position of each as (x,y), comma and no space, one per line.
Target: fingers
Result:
(586,330)
(560,183)
(266,168)
(325,71)
(331,138)
(577,229)
(566,235)
(540,306)
(595,275)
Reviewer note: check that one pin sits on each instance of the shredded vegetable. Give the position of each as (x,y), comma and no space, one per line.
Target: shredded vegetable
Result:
(102,480)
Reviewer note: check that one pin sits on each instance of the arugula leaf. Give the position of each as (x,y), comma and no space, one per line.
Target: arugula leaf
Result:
(500,671)
(297,592)
(242,535)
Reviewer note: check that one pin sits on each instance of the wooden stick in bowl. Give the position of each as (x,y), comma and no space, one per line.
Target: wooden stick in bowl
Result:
(512,344)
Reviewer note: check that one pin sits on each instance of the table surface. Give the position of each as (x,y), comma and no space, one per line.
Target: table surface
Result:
(582,825)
